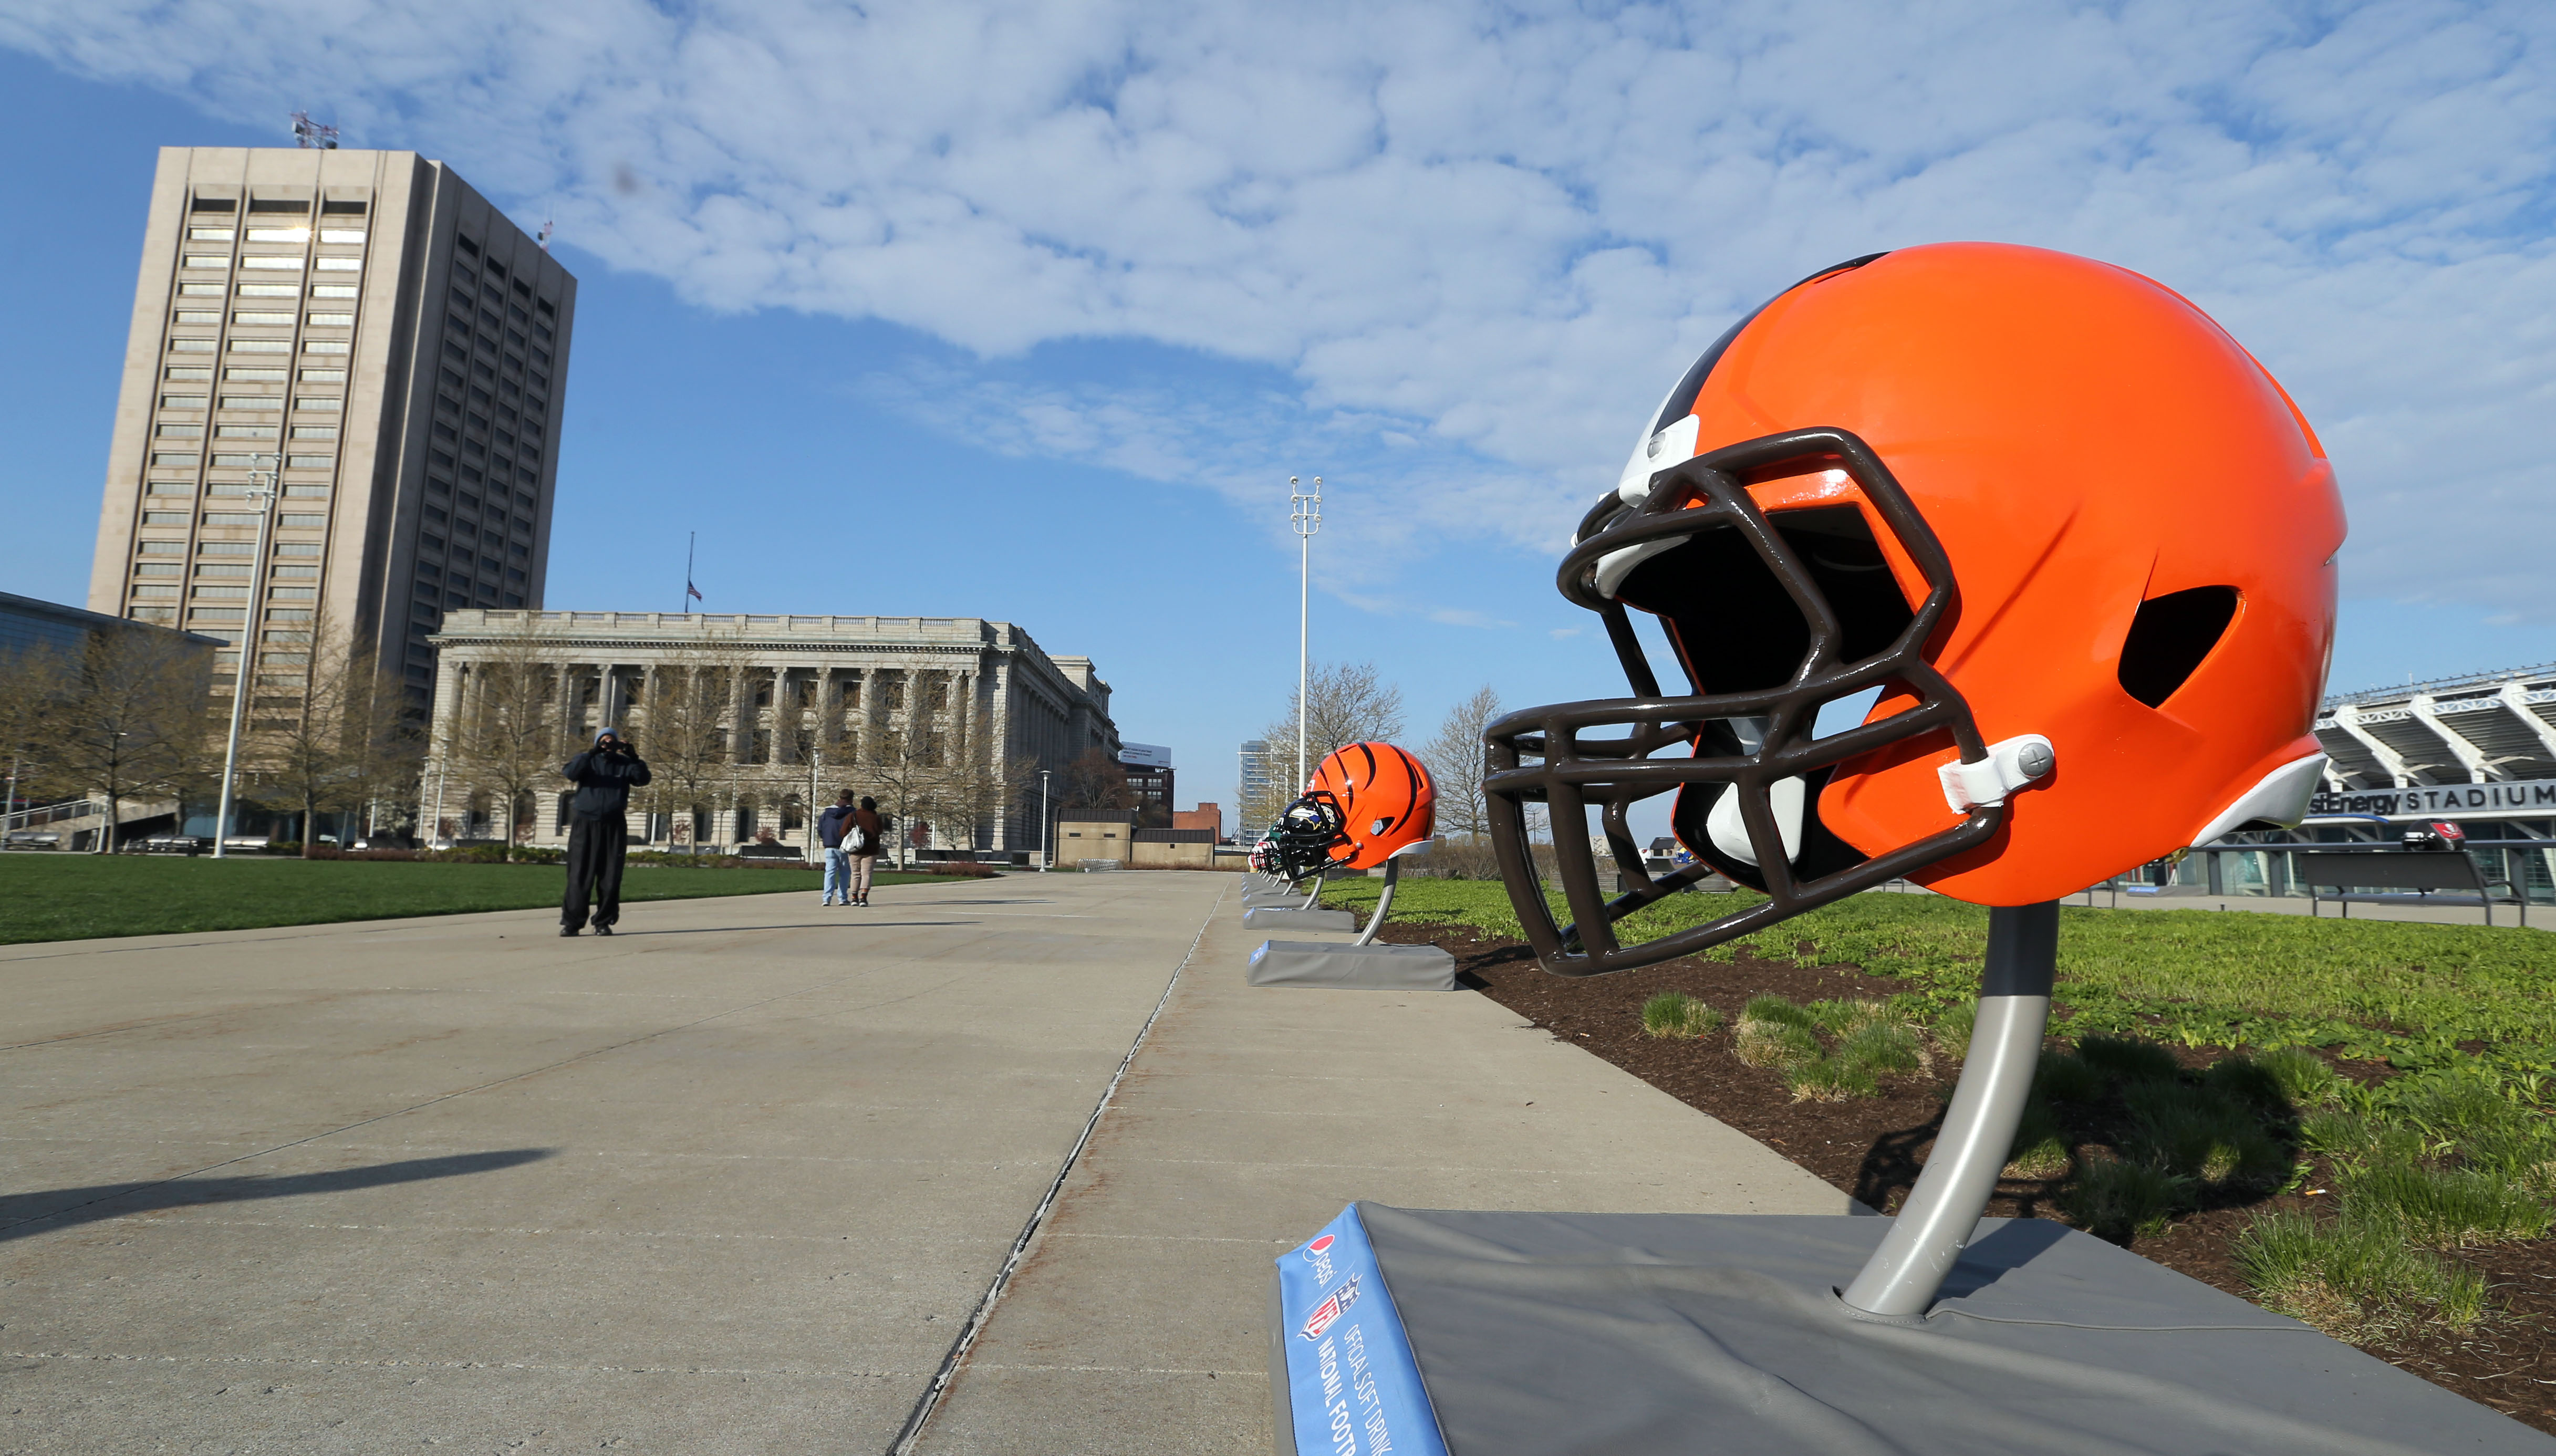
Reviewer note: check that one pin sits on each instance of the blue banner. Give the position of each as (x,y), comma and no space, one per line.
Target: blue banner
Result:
(1351,1382)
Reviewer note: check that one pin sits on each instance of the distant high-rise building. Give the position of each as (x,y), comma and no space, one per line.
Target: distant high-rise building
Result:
(367,329)
(1256,786)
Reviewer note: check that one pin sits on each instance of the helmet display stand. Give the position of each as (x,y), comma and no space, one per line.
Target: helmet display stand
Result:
(1361,964)
(1523,1334)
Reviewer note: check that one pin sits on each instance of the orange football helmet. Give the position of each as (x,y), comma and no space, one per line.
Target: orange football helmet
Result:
(2076,536)
(1364,803)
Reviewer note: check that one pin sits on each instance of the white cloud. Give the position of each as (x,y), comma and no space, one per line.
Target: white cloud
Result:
(1480,241)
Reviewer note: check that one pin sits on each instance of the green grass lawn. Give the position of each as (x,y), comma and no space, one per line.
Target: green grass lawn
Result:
(79,897)
(2407,993)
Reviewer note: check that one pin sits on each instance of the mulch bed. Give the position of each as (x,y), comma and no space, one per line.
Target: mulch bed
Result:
(1873,1148)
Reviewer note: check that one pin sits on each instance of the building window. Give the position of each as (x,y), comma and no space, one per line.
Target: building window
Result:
(164,460)
(199,316)
(467,245)
(314,431)
(159,569)
(342,235)
(224,569)
(324,376)
(326,347)
(171,487)
(236,375)
(262,317)
(316,492)
(332,321)
(226,548)
(155,590)
(271,263)
(252,402)
(280,204)
(244,432)
(207,260)
(181,432)
(304,523)
(333,290)
(270,291)
(227,518)
(279,234)
(182,401)
(199,290)
(190,346)
(319,402)
(261,346)
(310,461)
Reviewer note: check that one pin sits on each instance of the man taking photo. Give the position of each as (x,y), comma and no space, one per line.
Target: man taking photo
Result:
(599,830)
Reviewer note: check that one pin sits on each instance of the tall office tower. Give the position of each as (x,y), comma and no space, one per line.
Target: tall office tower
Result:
(366,334)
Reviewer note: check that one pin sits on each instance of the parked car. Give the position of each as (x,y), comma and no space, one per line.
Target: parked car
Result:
(177,844)
(33,839)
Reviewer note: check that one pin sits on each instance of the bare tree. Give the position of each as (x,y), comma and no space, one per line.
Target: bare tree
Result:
(688,711)
(1096,784)
(1344,703)
(507,732)
(126,716)
(31,679)
(977,783)
(905,763)
(1455,760)
(302,749)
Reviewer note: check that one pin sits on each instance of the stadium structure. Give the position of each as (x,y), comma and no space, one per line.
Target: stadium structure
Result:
(2476,753)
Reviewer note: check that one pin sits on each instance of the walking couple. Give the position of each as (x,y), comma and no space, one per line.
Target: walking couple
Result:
(851,838)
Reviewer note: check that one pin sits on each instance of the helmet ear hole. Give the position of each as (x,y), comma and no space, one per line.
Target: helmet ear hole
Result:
(2169,639)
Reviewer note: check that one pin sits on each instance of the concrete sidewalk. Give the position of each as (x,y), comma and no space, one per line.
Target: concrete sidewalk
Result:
(731,1181)
(1139,1323)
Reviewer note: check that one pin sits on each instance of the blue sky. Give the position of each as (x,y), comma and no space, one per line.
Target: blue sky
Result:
(1029,313)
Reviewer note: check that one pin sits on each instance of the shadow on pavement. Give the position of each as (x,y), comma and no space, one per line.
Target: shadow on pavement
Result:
(620,934)
(24,1214)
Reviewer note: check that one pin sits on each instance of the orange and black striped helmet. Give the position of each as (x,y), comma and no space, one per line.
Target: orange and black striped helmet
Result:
(1386,802)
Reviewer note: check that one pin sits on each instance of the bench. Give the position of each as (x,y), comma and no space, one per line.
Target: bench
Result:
(2422,870)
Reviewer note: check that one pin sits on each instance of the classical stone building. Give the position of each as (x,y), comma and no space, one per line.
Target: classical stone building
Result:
(747,719)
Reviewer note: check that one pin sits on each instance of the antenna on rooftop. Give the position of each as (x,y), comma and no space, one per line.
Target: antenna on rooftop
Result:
(307,134)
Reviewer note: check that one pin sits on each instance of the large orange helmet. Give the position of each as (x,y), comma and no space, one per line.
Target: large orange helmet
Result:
(1364,803)
(2078,541)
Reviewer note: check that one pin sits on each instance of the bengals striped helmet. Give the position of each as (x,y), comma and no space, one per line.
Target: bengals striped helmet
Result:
(1386,803)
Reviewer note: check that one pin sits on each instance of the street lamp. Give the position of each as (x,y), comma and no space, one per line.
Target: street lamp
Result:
(1047,855)
(262,490)
(1305,512)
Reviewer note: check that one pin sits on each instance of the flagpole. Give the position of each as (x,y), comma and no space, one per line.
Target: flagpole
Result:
(685,606)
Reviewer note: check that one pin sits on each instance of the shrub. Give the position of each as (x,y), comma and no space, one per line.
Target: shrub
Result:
(1830,1079)
(2442,1208)
(2353,1279)
(2202,1135)
(2248,1080)
(1952,1030)
(2127,1059)
(1883,1046)
(1761,1043)
(1846,1018)
(1675,1013)
(2065,1077)
(2041,1146)
(2122,1200)
(2305,1078)
(1778,1011)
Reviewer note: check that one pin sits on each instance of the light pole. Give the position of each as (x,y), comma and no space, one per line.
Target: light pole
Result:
(1047,855)
(262,490)
(1305,512)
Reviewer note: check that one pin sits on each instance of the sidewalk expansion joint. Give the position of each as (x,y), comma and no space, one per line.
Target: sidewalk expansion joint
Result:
(930,1401)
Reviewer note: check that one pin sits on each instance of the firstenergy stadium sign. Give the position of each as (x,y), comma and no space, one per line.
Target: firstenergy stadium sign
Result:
(2520,798)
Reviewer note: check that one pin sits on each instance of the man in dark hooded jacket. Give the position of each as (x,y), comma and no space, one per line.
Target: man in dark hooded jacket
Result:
(600,833)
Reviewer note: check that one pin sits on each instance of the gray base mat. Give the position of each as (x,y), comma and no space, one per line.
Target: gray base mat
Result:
(1632,1334)
(1276,897)
(1288,917)
(1352,967)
